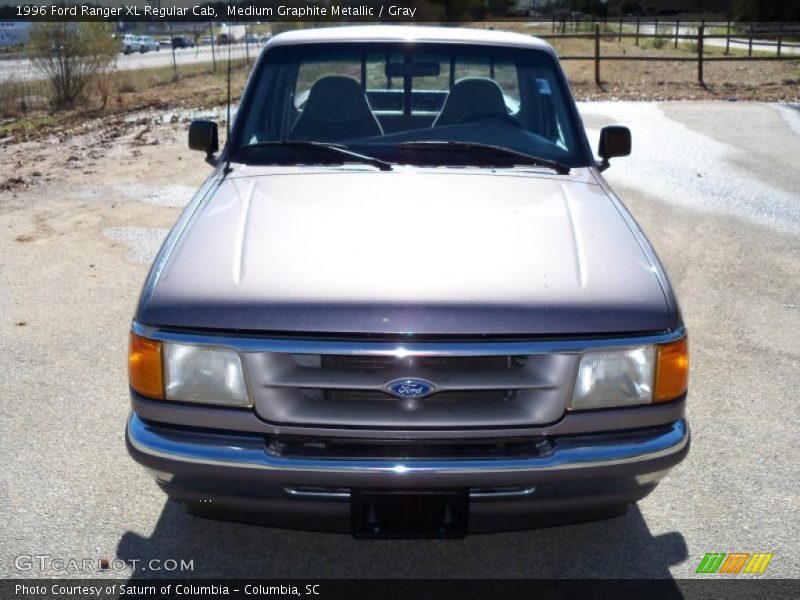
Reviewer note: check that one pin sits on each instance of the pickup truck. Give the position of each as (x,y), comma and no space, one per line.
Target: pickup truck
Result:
(406,302)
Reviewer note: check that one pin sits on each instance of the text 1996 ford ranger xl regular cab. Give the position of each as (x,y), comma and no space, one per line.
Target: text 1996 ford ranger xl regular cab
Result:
(405,302)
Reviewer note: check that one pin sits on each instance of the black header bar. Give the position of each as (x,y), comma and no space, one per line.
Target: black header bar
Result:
(388,11)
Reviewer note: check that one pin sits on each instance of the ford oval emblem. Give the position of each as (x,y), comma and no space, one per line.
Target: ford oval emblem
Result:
(410,388)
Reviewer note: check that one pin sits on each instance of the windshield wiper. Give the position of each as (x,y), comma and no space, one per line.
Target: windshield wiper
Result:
(489,150)
(322,148)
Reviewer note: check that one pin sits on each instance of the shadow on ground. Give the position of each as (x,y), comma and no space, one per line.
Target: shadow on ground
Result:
(622,547)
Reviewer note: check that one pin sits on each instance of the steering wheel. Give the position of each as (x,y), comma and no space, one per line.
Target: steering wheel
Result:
(482,116)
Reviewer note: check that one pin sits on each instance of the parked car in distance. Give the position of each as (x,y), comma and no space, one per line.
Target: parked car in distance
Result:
(147,43)
(182,41)
(406,302)
(130,43)
(165,42)
(252,38)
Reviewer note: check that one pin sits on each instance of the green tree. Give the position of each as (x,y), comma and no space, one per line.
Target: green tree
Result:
(71,55)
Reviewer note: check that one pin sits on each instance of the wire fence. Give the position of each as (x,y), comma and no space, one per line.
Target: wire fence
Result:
(676,41)
(756,42)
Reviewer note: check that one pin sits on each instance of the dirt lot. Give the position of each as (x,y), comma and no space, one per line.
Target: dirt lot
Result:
(82,213)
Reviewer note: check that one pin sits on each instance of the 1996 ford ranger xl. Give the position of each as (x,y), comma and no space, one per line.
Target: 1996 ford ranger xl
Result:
(406,302)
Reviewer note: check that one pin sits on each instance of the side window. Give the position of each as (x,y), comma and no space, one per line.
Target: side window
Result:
(544,107)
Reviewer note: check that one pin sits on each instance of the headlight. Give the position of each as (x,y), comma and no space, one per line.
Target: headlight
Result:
(204,374)
(188,373)
(631,376)
(609,378)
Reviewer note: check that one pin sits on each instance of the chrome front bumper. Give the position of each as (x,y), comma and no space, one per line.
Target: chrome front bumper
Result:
(159,446)
(232,476)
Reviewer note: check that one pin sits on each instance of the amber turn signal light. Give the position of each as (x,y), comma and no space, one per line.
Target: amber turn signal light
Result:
(145,373)
(672,371)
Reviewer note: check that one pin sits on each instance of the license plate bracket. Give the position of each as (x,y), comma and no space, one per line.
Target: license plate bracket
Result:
(409,514)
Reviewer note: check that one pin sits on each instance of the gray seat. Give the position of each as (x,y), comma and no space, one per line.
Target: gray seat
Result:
(471,96)
(336,110)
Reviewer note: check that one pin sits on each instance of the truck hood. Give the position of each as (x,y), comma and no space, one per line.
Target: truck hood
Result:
(438,251)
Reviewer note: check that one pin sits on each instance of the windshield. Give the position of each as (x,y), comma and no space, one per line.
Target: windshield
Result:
(376,98)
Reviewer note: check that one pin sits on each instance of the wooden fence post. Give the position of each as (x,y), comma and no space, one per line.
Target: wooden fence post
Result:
(213,53)
(750,41)
(677,31)
(780,32)
(700,32)
(728,40)
(246,44)
(174,59)
(619,39)
(597,54)
(637,31)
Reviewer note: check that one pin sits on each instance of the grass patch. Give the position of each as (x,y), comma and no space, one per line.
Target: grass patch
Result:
(140,79)
(27,125)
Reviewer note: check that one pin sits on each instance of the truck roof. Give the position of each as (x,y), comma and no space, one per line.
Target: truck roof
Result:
(407,33)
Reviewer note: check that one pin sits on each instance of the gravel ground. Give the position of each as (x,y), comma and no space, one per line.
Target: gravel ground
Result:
(713,184)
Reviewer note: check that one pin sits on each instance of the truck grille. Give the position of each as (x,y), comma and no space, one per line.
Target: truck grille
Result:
(352,390)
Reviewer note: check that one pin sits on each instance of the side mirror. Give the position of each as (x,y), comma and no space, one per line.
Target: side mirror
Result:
(615,140)
(203,136)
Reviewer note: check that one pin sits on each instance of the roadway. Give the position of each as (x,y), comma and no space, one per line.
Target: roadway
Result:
(23,69)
